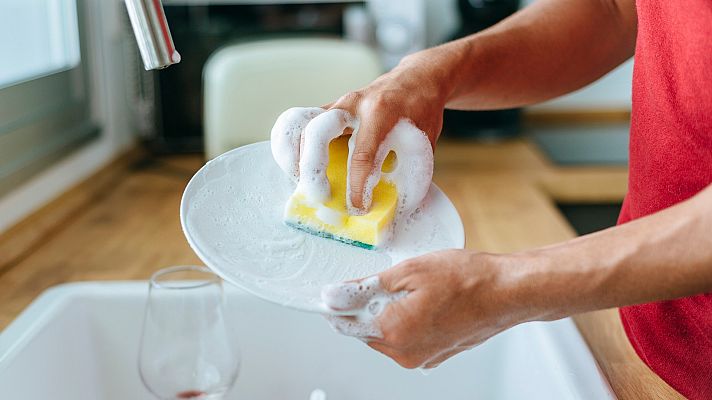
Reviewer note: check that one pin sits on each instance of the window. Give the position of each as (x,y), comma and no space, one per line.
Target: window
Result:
(44,101)
(40,37)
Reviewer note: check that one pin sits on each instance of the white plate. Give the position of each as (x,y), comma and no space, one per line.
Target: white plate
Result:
(231,214)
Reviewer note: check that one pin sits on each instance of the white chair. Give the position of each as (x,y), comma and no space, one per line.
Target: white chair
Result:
(247,86)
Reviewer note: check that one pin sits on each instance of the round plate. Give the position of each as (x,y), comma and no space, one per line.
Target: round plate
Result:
(231,214)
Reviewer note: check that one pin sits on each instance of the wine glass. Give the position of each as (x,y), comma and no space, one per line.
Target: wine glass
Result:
(187,349)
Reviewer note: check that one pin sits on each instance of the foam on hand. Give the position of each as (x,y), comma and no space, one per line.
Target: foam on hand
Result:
(314,157)
(360,303)
(286,136)
(330,217)
(413,170)
(321,209)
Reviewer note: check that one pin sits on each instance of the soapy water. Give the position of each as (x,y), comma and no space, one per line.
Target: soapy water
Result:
(304,134)
(232,215)
(286,137)
(314,154)
(364,300)
(412,173)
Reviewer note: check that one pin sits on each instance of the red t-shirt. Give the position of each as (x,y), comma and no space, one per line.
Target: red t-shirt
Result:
(670,161)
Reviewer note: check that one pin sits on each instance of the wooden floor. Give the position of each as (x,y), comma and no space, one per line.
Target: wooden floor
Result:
(123,224)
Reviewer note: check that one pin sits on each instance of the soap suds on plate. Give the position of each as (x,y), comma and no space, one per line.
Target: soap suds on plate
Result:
(232,215)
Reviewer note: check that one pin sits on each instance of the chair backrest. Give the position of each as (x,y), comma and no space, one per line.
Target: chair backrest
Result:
(247,86)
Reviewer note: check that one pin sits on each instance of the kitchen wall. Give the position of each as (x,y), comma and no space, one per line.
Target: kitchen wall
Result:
(612,92)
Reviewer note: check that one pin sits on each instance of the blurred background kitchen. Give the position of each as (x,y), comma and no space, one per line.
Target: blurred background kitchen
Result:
(74,94)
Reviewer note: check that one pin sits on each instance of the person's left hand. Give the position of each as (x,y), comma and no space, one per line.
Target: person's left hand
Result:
(452,301)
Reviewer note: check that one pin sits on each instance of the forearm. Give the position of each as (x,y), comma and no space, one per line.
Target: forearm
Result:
(659,257)
(548,49)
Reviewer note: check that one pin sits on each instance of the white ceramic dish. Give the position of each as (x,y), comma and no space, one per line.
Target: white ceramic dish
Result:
(231,214)
(80,342)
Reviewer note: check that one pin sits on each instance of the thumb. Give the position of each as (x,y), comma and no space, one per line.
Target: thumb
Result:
(352,295)
(372,129)
(403,276)
(392,283)
(356,297)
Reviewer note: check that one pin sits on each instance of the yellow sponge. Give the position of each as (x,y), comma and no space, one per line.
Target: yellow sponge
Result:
(331,219)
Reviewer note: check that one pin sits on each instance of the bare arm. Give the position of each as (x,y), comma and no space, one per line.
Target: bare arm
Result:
(459,298)
(662,256)
(545,50)
(548,49)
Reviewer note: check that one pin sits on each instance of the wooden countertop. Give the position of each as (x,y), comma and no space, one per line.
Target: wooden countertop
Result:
(123,223)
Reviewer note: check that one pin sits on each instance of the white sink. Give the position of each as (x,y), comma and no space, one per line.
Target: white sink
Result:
(79,342)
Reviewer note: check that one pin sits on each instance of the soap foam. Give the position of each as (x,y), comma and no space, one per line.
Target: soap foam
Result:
(363,301)
(411,175)
(286,135)
(319,132)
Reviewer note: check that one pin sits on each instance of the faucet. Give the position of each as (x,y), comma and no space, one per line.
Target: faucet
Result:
(152,34)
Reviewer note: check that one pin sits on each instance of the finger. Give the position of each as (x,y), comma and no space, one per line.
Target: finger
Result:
(367,298)
(373,126)
(398,323)
(352,295)
(287,134)
(401,321)
(345,131)
(405,275)
(314,159)
(348,131)
(349,326)
(349,102)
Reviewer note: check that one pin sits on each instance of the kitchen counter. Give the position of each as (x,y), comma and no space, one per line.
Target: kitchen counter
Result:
(123,224)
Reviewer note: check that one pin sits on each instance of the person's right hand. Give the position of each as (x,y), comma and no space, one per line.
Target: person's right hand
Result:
(408,91)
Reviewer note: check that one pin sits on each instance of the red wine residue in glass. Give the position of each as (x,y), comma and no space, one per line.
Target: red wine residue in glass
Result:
(190,394)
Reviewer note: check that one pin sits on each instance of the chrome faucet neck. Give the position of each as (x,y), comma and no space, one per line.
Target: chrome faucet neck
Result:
(152,33)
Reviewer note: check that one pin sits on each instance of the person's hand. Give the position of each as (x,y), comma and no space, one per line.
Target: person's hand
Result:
(408,91)
(433,306)
(415,91)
